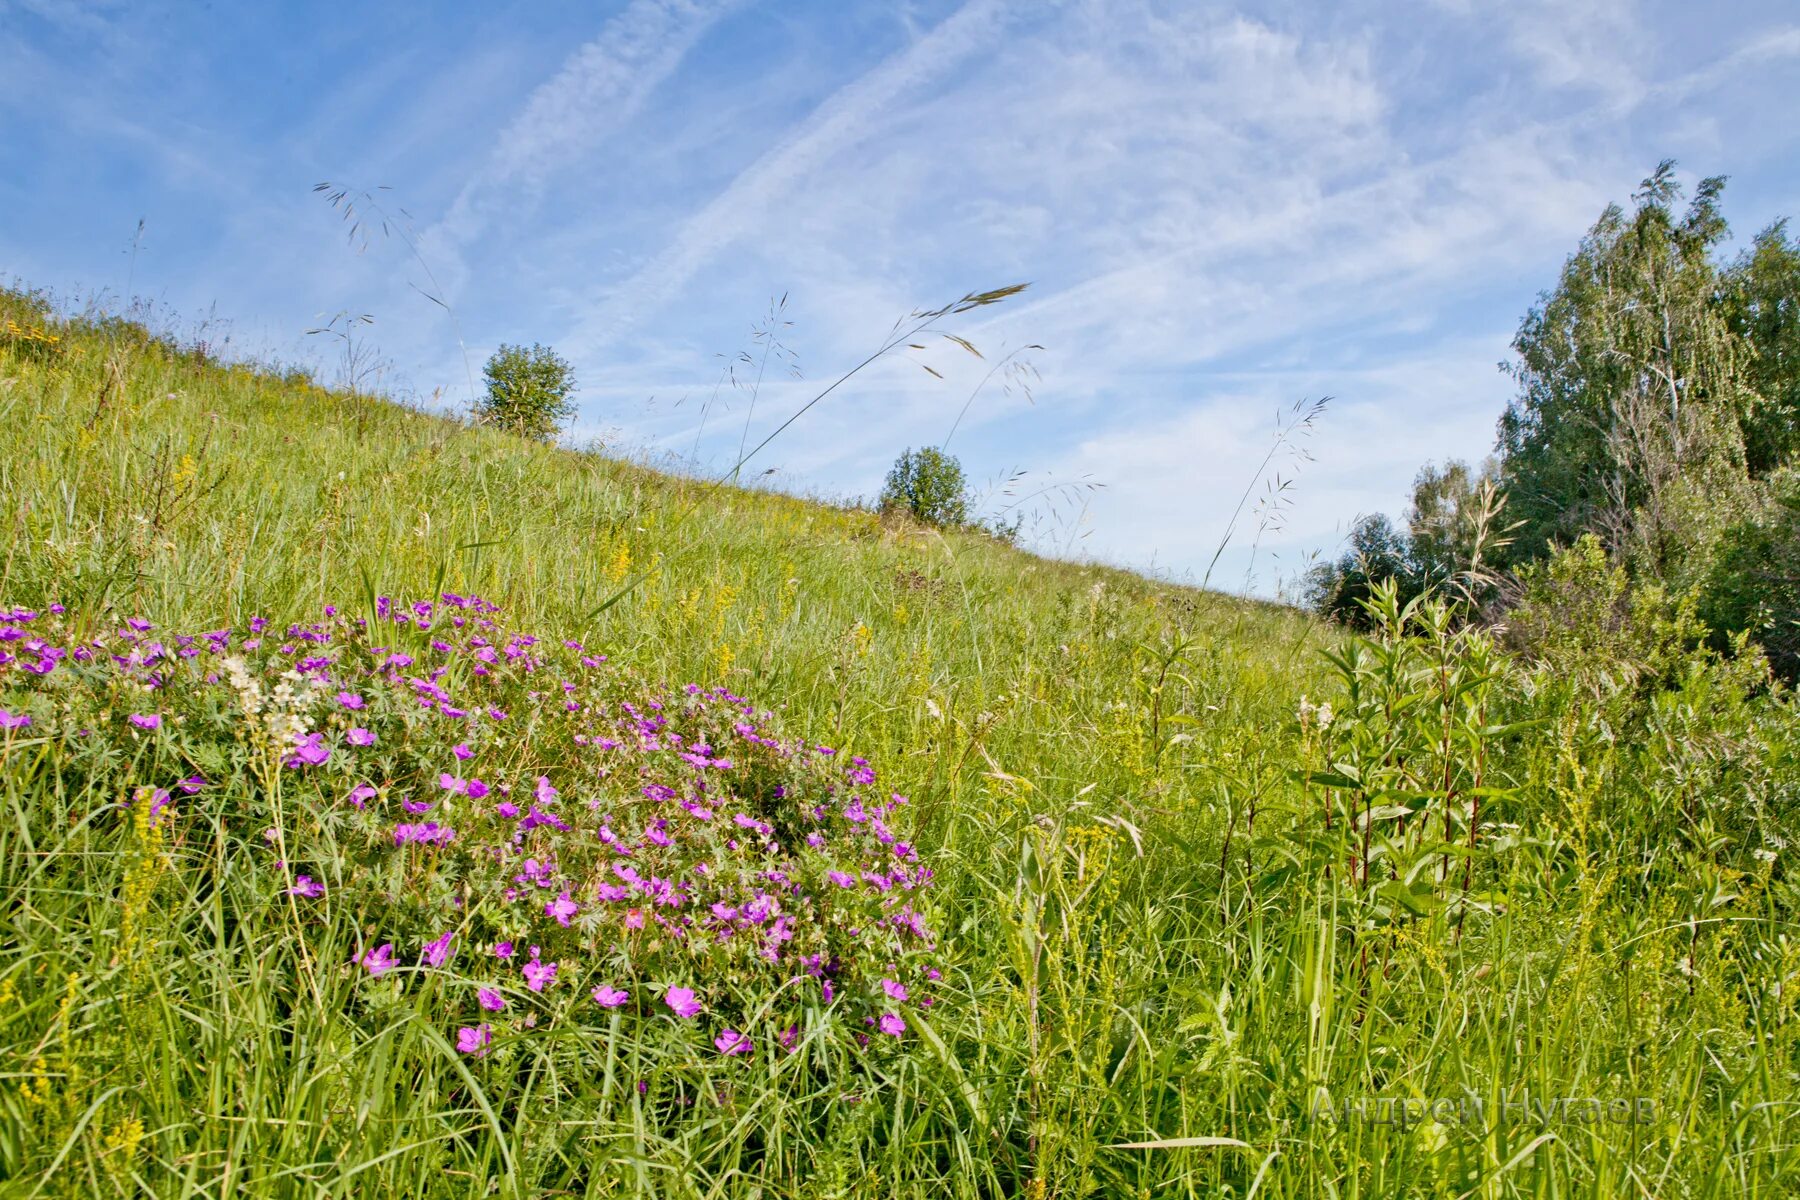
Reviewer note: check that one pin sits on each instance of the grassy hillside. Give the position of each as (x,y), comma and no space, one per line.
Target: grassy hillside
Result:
(1395,946)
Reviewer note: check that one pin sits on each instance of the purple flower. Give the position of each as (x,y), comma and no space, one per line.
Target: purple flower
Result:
(306,885)
(360,737)
(538,974)
(309,750)
(682,1001)
(545,793)
(350,700)
(789,1038)
(490,999)
(361,794)
(380,960)
(16,720)
(892,1025)
(503,950)
(192,784)
(438,951)
(462,751)
(146,720)
(562,908)
(732,1042)
(607,996)
(895,990)
(474,1039)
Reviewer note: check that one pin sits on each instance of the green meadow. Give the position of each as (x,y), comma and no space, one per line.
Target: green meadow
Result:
(1224,900)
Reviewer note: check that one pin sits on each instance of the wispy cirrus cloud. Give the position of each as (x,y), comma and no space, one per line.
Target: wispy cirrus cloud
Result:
(597,92)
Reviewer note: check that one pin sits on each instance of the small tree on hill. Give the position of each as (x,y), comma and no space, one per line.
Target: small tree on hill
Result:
(529,391)
(928,485)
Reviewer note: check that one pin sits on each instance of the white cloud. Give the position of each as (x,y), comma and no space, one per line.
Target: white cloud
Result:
(598,91)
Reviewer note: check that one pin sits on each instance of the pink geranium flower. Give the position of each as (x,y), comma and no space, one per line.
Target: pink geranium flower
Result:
(562,908)
(682,1001)
(474,1039)
(607,996)
(732,1042)
(539,974)
(380,960)
(437,952)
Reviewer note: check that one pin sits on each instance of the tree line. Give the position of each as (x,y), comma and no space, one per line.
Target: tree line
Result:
(1652,447)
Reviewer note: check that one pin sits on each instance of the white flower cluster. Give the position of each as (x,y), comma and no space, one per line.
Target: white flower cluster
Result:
(1312,715)
(286,707)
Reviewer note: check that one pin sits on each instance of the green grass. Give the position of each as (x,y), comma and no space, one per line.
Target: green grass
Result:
(1170,907)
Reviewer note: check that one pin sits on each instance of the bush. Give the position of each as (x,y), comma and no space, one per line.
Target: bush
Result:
(529,391)
(1378,552)
(1579,614)
(1753,582)
(928,485)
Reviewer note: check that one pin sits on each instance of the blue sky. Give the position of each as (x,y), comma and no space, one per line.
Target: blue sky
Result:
(1221,211)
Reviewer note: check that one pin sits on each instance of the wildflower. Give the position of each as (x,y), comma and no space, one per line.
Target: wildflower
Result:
(462,751)
(894,989)
(309,750)
(13,720)
(307,886)
(192,784)
(360,737)
(789,1038)
(474,1039)
(607,996)
(490,999)
(545,793)
(562,908)
(892,1025)
(539,974)
(732,1042)
(146,720)
(350,700)
(361,794)
(682,1001)
(380,960)
(436,952)
(503,950)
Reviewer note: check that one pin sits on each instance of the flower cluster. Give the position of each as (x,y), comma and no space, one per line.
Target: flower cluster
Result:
(552,838)
(28,334)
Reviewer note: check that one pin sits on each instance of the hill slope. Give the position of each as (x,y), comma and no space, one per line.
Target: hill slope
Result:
(1169,895)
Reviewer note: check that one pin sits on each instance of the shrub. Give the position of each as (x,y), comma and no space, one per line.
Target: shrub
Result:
(1579,614)
(928,485)
(1378,553)
(529,391)
(1753,582)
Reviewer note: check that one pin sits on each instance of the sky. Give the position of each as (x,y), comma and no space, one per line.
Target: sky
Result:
(1222,212)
